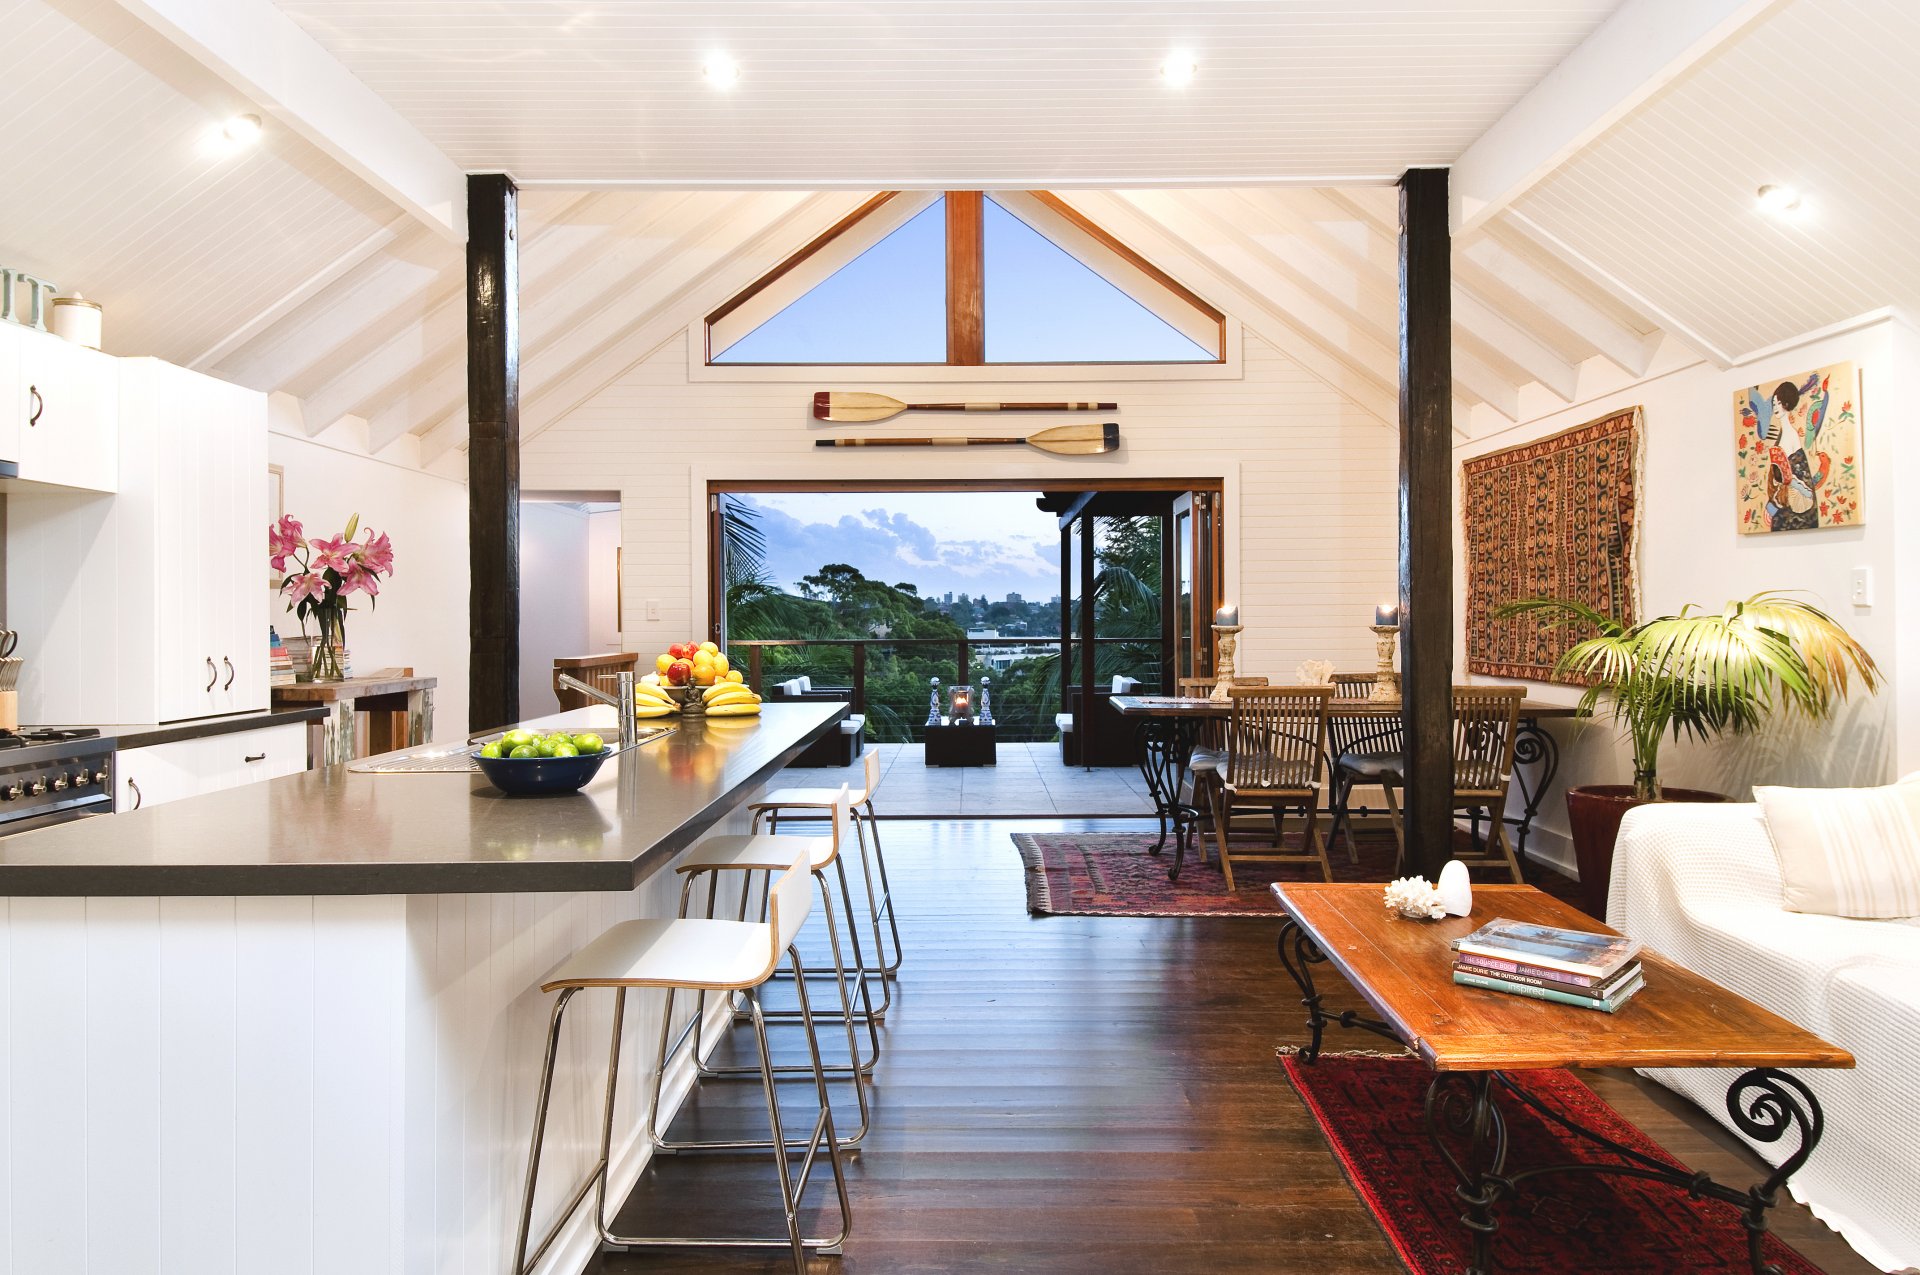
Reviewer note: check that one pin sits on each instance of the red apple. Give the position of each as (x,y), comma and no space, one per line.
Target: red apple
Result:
(680,672)
(678,651)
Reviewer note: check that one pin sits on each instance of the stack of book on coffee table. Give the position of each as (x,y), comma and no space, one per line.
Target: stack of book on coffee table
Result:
(1569,967)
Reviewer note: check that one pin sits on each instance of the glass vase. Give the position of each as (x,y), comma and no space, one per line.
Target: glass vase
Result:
(327,648)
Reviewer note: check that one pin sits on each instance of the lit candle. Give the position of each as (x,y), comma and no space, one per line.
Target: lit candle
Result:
(1227,616)
(1387,616)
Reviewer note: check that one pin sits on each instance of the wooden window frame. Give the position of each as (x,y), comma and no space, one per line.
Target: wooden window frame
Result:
(966,285)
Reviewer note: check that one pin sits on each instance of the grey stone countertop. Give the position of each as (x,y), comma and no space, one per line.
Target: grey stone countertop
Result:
(335,831)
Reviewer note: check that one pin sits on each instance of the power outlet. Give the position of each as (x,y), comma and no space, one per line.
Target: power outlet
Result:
(653,608)
(1861,594)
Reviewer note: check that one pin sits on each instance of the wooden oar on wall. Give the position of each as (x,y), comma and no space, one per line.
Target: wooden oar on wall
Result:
(1062,440)
(847,407)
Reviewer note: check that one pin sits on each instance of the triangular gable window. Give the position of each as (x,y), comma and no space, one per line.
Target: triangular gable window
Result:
(965,278)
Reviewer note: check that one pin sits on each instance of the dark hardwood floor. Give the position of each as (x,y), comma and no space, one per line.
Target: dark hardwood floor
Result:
(1080,1096)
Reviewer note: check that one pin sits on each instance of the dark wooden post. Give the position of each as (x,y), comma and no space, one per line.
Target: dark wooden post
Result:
(859,677)
(493,451)
(1089,651)
(1426,517)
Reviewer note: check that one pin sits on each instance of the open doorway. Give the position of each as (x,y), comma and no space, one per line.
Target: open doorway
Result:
(1038,595)
(569,586)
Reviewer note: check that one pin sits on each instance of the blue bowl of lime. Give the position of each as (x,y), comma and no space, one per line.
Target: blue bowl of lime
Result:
(524,764)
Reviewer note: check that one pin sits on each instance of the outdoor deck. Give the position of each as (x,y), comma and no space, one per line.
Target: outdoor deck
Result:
(1027,780)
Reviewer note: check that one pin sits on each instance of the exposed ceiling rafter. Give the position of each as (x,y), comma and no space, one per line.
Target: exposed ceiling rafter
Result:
(264,54)
(1643,46)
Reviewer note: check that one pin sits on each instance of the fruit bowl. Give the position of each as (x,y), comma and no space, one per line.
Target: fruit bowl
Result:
(541,776)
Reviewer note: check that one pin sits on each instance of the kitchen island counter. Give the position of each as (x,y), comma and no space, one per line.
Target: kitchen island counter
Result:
(334,830)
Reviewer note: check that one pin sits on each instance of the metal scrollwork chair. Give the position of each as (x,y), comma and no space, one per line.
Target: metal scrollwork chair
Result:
(1485,722)
(1275,760)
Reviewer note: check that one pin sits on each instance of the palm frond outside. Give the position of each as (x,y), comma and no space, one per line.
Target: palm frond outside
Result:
(1698,674)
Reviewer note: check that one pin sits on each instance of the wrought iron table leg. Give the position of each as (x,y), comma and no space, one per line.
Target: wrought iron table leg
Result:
(1305,954)
(1532,746)
(1460,1106)
(1152,750)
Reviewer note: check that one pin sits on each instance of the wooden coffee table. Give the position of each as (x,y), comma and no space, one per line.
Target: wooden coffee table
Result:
(1472,1038)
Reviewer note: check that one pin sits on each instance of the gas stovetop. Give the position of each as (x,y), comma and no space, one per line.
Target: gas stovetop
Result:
(27,736)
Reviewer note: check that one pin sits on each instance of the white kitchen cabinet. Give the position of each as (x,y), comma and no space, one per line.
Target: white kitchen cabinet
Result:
(161,773)
(10,392)
(146,606)
(65,406)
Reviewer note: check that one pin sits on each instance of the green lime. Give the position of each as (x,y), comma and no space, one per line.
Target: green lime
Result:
(524,750)
(544,748)
(491,750)
(515,738)
(564,750)
(589,744)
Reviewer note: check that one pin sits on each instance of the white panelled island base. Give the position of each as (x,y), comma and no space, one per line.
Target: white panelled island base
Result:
(331,1083)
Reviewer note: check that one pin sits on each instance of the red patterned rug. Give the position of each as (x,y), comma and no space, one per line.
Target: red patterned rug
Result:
(1371,1111)
(1112,874)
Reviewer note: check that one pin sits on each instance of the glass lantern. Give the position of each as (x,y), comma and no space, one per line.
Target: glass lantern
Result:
(960,705)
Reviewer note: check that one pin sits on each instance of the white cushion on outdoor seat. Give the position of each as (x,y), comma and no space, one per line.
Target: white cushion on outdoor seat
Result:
(805,683)
(853,724)
(758,851)
(1123,685)
(1207,761)
(1063,722)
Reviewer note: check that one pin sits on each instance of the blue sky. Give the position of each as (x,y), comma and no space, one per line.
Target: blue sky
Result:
(991,543)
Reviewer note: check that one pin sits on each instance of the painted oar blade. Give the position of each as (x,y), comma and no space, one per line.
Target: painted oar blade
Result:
(1078,440)
(854,406)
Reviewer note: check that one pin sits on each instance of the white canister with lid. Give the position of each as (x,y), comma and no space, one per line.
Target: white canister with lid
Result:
(78,320)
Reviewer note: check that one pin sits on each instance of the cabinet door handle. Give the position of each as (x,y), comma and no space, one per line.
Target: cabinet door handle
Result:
(39,404)
(137,798)
(254,757)
(228,684)
(213,674)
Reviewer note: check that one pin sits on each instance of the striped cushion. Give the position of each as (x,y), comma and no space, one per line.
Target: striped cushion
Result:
(1847,851)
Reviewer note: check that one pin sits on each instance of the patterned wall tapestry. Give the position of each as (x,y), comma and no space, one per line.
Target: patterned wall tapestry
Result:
(1558,518)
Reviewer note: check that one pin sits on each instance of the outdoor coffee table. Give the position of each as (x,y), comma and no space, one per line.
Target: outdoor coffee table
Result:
(1472,1039)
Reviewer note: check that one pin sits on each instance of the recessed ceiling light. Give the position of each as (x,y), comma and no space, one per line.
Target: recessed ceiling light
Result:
(721,71)
(241,129)
(1778,200)
(1179,68)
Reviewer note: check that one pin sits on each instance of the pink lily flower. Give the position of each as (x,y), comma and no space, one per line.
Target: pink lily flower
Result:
(284,538)
(360,580)
(331,555)
(377,553)
(311,585)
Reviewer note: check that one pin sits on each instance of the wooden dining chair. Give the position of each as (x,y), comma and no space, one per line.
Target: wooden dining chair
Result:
(1210,749)
(1486,720)
(1275,759)
(1365,749)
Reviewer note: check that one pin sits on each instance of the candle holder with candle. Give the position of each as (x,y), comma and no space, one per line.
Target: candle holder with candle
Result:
(1386,634)
(1226,643)
(960,705)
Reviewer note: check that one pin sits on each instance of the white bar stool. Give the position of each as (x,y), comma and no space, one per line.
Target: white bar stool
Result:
(808,803)
(700,955)
(767,853)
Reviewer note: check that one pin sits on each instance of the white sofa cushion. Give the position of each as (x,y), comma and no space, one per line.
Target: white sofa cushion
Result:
(1846,851)
(1063,722)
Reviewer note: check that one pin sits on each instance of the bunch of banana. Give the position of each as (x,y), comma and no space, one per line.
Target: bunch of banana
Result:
(650,701)
(731,699)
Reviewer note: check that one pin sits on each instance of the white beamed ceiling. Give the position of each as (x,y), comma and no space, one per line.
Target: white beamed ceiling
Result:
(1821,95)
(109,187)
(1021,93)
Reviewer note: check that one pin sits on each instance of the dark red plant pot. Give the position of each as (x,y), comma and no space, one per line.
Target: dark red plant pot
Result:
(1594,812)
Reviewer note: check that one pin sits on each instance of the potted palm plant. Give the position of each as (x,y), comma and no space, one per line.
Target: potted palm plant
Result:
(1698,675)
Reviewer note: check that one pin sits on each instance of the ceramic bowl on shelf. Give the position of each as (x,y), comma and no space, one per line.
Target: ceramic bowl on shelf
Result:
(540,776)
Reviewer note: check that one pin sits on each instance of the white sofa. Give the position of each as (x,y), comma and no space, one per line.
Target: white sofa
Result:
(1701,884)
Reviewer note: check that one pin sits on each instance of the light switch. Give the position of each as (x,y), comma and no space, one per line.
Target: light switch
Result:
(653,608)
(1862,592)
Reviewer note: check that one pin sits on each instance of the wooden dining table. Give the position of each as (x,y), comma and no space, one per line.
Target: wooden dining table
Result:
(1168,726)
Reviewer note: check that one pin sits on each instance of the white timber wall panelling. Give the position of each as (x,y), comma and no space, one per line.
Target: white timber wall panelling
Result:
(554,542)
(1316,508)
(305,1085)
(1691,553)
(421,619)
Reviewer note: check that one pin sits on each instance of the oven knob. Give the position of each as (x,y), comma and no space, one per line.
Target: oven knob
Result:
(59,783)
(100,777)
(37,788)
(13,793)
(81,779)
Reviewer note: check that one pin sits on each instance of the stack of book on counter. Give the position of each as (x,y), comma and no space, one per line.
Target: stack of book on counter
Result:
(1571,967)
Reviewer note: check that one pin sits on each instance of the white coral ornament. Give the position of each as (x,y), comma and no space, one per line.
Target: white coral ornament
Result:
(1315,673)
(1414,899)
